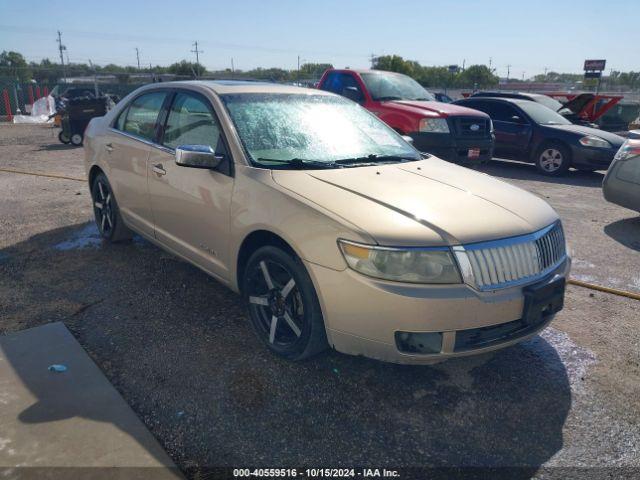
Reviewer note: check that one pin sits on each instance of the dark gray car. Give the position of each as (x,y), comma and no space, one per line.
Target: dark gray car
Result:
(531,132)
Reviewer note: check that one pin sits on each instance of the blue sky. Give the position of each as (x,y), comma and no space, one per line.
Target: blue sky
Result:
(529,35)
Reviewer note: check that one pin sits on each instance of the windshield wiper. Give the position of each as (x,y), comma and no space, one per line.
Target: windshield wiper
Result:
(300,163)
(373,159)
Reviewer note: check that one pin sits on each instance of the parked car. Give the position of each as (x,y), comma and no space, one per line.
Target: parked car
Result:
(531,132)
(335,230)
(442,97)
(450,132)
(566,110)
(622,183)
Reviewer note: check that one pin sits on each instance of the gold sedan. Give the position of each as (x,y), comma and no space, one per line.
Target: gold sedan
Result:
(334,229)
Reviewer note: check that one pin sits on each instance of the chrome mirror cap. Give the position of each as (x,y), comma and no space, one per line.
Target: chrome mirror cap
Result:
(197,156)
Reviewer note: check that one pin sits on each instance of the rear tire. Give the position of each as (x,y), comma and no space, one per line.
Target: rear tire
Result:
(284,310)
(106,211)
(63,138)
(553,159)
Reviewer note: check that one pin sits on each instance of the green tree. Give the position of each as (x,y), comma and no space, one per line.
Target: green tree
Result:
(314,69)
(189,69)
(477,76)
(14,65)
(395,63)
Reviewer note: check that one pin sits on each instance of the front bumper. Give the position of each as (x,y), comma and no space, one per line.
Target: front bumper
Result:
(362,315)
(448,147)
(592,158)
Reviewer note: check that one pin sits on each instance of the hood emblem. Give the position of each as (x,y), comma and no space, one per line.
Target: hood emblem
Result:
(474,127)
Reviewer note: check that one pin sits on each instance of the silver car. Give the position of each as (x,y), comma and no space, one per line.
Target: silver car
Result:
(622,183)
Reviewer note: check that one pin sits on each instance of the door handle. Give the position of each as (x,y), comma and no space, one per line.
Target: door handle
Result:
(109,147)
(157,168)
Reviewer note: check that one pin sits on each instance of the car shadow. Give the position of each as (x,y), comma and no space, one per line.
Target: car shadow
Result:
(515,170)
(178,347)
(56,146)
(626,232)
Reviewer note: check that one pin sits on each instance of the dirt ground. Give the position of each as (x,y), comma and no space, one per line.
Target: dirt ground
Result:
(178,347)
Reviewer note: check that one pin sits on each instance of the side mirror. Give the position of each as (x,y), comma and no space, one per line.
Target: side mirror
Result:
(517,119)
(352,93)
(197,156)
(407,139)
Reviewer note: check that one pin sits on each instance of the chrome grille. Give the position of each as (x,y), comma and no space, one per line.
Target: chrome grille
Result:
(511,261)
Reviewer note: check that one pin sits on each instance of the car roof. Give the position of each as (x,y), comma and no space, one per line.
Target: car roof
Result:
(508,95)
(222,87)
(517,101)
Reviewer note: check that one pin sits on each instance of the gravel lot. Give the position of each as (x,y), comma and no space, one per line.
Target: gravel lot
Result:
(178,347)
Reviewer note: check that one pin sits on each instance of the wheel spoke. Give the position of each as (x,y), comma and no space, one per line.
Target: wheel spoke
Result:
(272,330)
(102,223)
(108,199)
(265,273)
(287,288)
(101,191)
(292,324)
(98,205)
(109,220)
(259,301)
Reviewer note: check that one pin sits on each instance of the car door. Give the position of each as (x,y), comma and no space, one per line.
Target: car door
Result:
(126,153)
(512,129)
(191,205)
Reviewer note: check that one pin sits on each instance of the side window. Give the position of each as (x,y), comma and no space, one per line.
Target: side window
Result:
(119,125)
(503,112)
(332,83)
(477,105)
(191,122)
(142,115)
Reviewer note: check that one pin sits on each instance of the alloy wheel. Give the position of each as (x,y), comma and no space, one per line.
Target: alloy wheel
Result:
(103,207)
(275,303)
(551,160)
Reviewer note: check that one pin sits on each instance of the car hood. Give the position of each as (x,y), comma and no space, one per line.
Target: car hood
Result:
(429,202)
(435,108)
(612,138)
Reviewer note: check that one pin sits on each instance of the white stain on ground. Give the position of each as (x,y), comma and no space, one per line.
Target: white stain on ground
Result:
(576,359)
(87,237)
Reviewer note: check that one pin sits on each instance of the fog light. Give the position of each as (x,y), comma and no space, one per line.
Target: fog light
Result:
(419,342)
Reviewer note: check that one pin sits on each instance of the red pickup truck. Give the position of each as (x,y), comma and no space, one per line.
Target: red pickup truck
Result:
(451,132)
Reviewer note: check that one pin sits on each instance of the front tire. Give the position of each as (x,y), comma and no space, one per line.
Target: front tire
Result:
(106,211)
(553,159)
(64,138)
(283,306)
(76,139)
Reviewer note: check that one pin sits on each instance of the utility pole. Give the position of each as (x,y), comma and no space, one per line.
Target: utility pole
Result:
(373,59)
(95,78)
(464,61)
(523,76)
(490,60)
(61,48)
(508,72)
(138,57)
(232,67)
(545,71)
(197,52)
(298,68)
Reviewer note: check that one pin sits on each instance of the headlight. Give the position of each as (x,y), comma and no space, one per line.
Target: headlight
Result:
(597,142)
(411,265)
(435,125)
